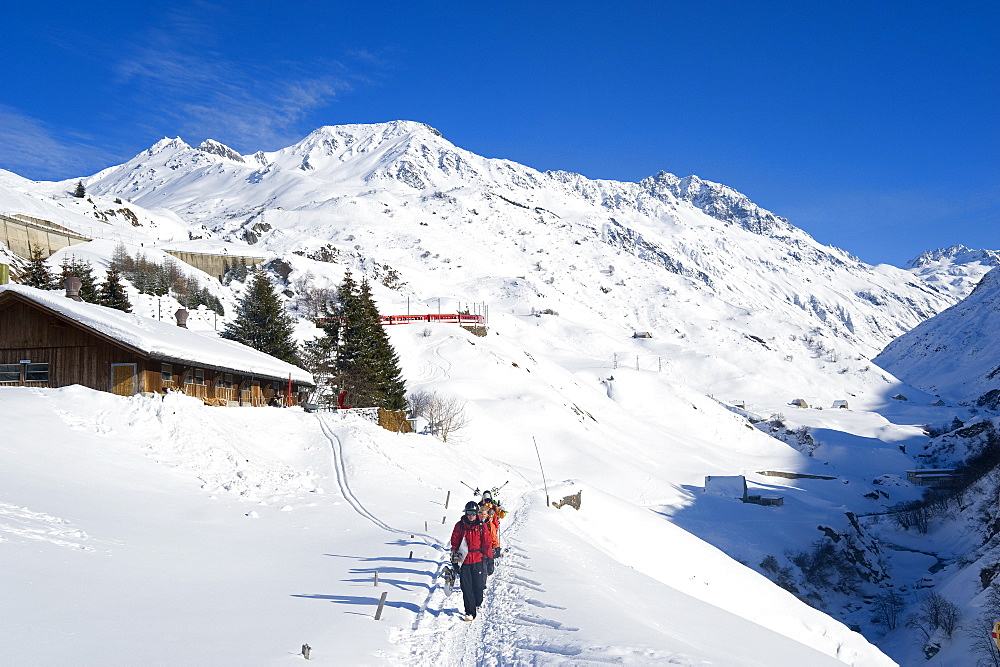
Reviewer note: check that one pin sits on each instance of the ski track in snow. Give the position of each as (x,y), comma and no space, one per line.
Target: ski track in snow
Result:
(340,468)
(435,372)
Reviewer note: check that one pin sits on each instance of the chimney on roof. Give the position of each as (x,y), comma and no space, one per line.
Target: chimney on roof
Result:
(182,317)
(72,285)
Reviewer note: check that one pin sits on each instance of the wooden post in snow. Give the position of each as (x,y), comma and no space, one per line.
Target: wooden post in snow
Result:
(378,612)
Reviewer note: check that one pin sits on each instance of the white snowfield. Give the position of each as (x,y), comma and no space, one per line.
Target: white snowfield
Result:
(162,531)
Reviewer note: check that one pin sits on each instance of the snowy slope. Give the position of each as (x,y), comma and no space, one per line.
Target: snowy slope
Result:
(202,548)
(954,353)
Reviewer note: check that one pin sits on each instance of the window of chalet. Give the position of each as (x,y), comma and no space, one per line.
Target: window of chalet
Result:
(167,372)
(10,373)
(199,376)
(226,380)
(36,373)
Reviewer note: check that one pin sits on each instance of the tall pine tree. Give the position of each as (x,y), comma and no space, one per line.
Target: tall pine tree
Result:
(112,293)
(382,360)
(366,365)
(38,273)
(261,321)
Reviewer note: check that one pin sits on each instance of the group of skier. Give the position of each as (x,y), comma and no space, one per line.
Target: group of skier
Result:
(475,543)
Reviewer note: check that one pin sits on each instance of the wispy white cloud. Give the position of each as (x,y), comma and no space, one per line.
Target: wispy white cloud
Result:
(187,87)
(31,149)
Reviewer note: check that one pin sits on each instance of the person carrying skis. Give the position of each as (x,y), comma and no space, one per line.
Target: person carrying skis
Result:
(484,515)
(478,542)
(496,513)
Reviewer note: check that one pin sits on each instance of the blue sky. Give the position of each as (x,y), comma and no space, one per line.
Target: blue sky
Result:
(871,125)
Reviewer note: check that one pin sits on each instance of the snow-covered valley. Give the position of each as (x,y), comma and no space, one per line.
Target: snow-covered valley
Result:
(161,531)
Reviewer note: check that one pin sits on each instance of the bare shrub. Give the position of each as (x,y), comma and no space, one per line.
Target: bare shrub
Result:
(418,401)
(887,607)
(935,612)
(445,415)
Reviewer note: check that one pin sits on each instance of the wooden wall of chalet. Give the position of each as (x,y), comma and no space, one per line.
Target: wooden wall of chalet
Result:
(74,355)
(244,389)
(78,356)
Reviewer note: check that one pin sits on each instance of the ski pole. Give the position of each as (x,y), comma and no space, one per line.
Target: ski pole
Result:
(542,469)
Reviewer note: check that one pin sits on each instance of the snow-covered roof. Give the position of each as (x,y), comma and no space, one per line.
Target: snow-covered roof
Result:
(730,486)
(164,340)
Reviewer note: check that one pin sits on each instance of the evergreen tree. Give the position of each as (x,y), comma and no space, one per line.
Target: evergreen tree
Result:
(38,273)
(85,272)
(121,261)
(80,191)
(383,362)
(261,321)
(366,364)
(112,293)
(319,357)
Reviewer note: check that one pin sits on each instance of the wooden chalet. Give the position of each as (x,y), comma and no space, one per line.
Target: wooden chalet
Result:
(49,340)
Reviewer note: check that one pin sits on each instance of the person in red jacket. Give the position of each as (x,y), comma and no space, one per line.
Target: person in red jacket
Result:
(485,512)
(471,535)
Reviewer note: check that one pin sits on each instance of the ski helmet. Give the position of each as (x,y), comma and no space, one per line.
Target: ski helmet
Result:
(472,507)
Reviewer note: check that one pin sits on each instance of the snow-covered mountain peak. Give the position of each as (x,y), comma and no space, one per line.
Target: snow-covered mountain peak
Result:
(166,144)
(953,255)
(215,148)
(956,269)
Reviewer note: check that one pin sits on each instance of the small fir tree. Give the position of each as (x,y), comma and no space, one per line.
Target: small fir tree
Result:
(261,321)
(38,274)
(80,191)
(121,261)
(85,272)
(112,293)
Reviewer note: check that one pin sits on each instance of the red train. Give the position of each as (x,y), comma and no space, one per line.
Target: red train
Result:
(453,318)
